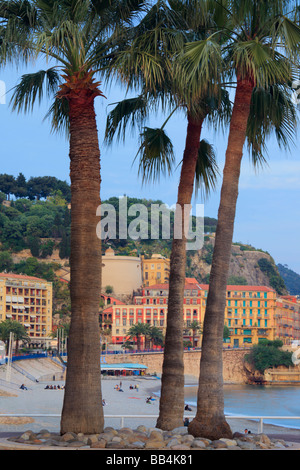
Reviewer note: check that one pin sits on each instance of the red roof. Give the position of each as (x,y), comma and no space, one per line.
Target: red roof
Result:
(113,299)
(21,276)
(243,288)
(190,283)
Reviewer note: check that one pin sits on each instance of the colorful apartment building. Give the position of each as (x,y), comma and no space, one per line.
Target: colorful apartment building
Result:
(155,270)
(287,319)
(249,314)
(252,313)
(27,300)
(150,305)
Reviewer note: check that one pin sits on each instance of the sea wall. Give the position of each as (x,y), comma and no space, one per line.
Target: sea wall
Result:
(233,360)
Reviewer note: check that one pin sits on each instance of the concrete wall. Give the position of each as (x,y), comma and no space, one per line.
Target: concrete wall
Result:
(233,370)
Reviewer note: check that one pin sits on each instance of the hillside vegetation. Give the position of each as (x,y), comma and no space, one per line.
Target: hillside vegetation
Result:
(35,240)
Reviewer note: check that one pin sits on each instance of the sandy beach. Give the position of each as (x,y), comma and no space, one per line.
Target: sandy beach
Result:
(130,404)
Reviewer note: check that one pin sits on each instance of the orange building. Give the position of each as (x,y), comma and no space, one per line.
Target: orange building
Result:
(150,305)
(28,300)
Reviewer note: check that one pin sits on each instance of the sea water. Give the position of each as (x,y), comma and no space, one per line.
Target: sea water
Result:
(258,400)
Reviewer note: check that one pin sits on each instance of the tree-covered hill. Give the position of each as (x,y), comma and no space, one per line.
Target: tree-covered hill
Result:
(35,236)
(291,279)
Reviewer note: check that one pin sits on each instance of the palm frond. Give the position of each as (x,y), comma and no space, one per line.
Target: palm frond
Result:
(207,171)
(58,114)
(273,113)
(157,154)
(131,111)
(199,68)
(32,87)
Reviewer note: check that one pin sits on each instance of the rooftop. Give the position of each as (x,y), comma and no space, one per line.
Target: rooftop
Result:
(21,276)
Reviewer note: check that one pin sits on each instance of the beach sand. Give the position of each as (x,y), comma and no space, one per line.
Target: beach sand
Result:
(130,403)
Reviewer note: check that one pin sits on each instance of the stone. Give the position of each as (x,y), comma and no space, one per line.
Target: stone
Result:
(28,435)
(173,442)
(181,430)
(76,443)
(229,442)
(181,447)
(154,444)
(198,444)
(219,444)
(100,444)
(136,445)
(91,439)
(156,435)
(68,436)
(141,428)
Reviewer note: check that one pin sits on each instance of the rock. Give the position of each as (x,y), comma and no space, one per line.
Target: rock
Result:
(100,444)
(181,430)
(141,428)
(181,447)
(219,444)
(76,443)
(68,436)
(154,444)
(28,435)
(246,445)
(198,444)
(173,442)
(229,442)
(136,445)
(156,435)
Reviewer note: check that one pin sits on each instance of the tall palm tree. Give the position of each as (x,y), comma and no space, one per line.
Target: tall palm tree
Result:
(259,52)
(166,26)
(75,36)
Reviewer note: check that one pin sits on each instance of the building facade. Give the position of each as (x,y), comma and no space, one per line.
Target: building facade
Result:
(27,300)
(122,273)
(252,313)
(150,305)
(249,314)
(155,270)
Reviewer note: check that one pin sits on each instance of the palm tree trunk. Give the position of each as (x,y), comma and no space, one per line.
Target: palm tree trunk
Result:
(210,420)
(172,381)
(82,407)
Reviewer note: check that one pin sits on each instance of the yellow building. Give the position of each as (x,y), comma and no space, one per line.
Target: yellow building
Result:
(249,314)
(27,300)
(155,270)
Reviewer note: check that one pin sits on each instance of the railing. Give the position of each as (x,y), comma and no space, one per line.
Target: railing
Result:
(123,417)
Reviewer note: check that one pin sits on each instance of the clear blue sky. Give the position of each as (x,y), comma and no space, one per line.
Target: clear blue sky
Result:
(268,210)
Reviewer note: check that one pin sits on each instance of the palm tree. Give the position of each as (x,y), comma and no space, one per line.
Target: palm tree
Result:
(19,331)
(258,52)
(75,36)
(137,331)
(195,326)
(170,25)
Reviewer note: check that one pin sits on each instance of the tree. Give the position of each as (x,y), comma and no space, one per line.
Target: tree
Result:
(258,53)
(19,331)
(267,354)
(160,37)
(137,331)
(195,326)
(75,36)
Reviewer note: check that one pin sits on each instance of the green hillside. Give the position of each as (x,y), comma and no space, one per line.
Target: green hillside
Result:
(291,279)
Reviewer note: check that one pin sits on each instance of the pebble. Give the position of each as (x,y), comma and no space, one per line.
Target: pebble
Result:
(149,438)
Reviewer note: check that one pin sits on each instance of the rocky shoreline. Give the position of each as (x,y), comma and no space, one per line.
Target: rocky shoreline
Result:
(143,438)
